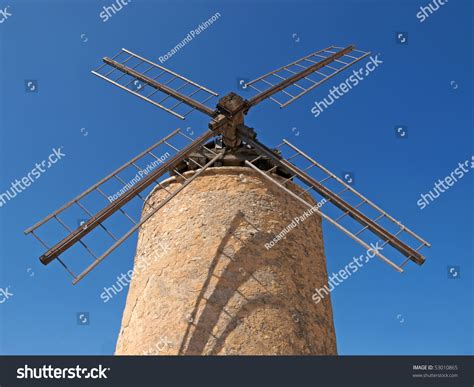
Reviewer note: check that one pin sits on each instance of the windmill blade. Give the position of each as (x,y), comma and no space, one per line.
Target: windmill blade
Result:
(341,208)
(145,178)
(155,84)
(288,83)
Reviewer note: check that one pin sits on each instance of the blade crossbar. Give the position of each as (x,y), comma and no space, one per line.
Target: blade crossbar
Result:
(101,225)
(161,87)
(68,229)
(115,56)
(144,219)
(120,209)
(323,215)
(283,91)
(121,76)
(138,95)
(295,78)
(170,72)
(308,79)
(138,195)
(294,72)
(147,77)
(272,98)
(133,80)
(310,64)
(144,72)
(99,183)
(298,86)
(327,66)
(355,50)
(327,77)
(117,204)
(340,203)
(169,96)
(284,67)
(372,204)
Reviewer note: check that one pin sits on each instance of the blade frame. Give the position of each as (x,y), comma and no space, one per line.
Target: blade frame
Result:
(358,194)
(143,220)
(322,214)
(295,78)
(100,182)
(161,87)
(117,204)
(388,237)
(139,95)
(316,84)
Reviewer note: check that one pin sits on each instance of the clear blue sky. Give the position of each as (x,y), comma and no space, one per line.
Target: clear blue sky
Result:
(413,87)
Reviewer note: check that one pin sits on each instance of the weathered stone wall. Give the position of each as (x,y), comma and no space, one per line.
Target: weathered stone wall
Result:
(204,282)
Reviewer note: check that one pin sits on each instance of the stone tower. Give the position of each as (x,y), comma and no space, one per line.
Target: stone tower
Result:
(205,284)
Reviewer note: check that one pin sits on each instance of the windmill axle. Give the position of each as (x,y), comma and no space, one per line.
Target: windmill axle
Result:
(231,109)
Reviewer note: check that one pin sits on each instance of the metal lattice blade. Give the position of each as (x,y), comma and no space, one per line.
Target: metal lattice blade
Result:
(288,83)
(155,84)
(165,155)
(342,208)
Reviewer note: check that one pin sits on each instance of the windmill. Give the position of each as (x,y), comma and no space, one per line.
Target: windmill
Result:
(227,142)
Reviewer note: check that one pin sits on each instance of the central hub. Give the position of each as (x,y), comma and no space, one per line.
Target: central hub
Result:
(231,108)
(236,156)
